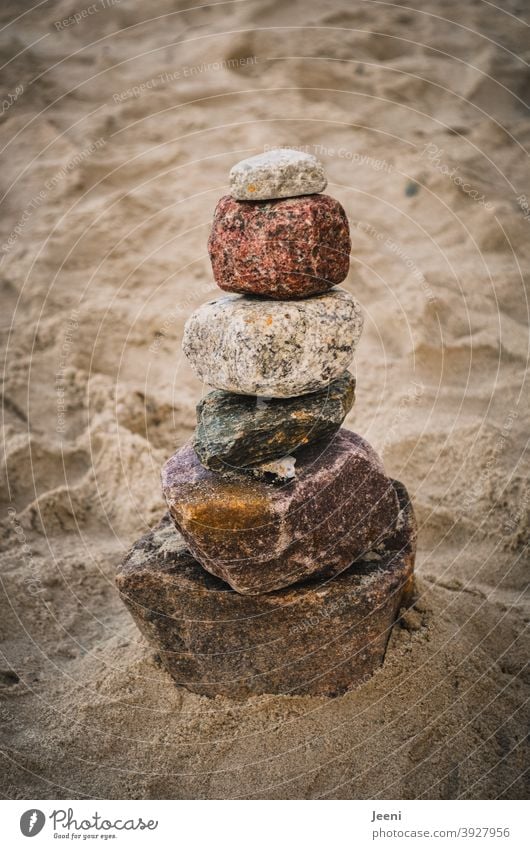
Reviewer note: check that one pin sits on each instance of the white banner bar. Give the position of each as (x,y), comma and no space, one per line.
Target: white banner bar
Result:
(271,825)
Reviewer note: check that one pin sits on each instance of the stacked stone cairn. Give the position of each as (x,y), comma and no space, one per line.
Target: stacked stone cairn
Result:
(287,552)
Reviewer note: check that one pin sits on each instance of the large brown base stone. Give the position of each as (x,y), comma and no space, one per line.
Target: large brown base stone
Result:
(316,638)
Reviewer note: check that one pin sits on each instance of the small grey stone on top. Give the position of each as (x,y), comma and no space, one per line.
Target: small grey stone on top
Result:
(280,173)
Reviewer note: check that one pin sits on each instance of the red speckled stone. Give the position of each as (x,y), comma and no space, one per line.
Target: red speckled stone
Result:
(289,248)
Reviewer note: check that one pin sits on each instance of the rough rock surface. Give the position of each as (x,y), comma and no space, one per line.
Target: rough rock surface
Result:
(280,173)
(259,538)
(276,471)
(274,348)
(313,639)
(238,431)
(280,249)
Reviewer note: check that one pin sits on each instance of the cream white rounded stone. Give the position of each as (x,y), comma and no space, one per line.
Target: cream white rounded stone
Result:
(280,173)
(278,349)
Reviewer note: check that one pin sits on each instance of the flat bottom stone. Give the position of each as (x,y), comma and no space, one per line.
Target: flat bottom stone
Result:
(316,638)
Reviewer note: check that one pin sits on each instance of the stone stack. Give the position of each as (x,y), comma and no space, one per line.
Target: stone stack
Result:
(292,514)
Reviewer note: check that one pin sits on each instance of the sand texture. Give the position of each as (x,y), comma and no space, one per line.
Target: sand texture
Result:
(118,137)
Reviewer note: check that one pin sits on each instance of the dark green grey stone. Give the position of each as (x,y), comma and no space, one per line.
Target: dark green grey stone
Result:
(241,431)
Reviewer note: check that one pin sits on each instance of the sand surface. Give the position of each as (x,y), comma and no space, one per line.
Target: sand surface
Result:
(418,115)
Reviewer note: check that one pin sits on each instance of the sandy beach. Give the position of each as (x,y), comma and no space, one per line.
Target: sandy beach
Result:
(118,127)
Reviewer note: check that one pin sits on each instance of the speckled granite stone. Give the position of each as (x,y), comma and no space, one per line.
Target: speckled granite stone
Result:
(280,173)
(238,431)
(318,638)
(282,249)
(259,537)
(275,348)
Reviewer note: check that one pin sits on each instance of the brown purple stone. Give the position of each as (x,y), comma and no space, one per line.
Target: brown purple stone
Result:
(259,537)
(281,249)
(319,638)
